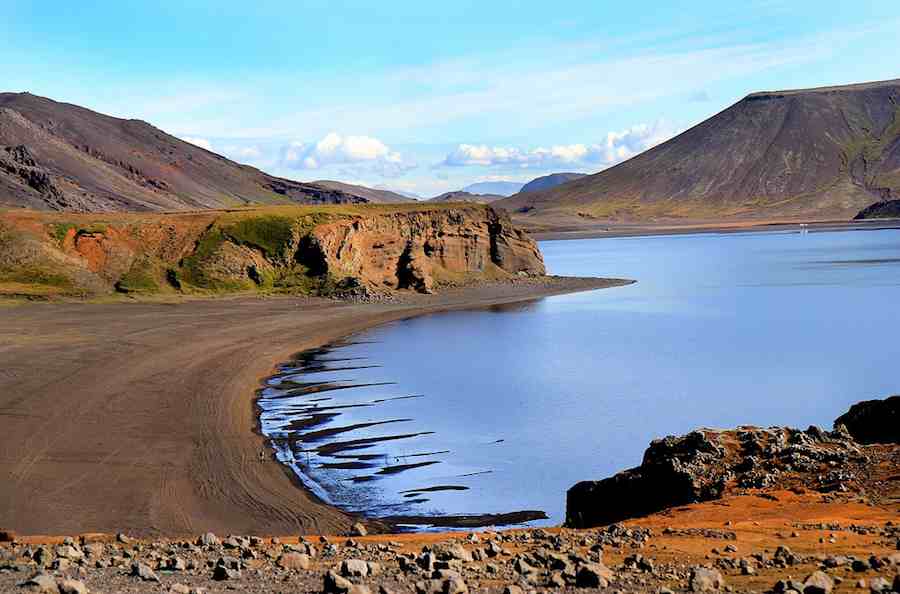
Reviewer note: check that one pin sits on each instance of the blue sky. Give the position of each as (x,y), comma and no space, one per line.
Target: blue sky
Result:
(427,96)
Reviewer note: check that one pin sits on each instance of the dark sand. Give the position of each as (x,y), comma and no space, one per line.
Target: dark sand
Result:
(139,417)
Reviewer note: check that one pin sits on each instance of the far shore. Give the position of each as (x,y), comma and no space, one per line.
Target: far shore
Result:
(139,417)
(698,227)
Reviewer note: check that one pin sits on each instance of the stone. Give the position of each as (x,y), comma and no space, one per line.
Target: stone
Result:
(208,540)
(69,552)
(354,568)
(513,589)
(122,538)
(879,584)
(293,561)
(455,586)
(706,580)
(818,582)
(222,573)
(358,529)
(73,587)
(592,575)
(42,582)
(335,584)
(143,571)
(179,589)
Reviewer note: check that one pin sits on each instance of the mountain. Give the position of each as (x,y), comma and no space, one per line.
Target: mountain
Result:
(494,188)
(64,157)
(550,181)
(370,194)
(460,196)
(812,153)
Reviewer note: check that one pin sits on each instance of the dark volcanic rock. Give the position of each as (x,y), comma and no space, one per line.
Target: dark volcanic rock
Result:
(675,471)
(873,421)
(886,209)
(696,467)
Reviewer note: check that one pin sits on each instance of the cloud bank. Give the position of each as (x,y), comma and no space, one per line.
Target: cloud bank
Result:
(335,149)
(616,147)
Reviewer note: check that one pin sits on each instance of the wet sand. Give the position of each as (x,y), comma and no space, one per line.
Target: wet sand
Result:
(139,417)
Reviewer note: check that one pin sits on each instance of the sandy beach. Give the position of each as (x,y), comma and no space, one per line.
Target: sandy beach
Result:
(139,417)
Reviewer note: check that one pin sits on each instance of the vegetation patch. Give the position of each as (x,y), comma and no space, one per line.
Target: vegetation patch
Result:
(272,235)
(141,278)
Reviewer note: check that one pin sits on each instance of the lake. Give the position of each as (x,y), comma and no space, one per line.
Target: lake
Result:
(504,409)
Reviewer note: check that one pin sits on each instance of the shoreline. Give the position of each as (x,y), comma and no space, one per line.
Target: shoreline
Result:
(720,227)
(155,432)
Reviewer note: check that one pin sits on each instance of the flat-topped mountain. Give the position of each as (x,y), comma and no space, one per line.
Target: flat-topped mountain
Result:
(814,153)
(64,157)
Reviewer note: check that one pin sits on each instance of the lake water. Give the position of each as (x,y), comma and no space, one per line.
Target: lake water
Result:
(512,406)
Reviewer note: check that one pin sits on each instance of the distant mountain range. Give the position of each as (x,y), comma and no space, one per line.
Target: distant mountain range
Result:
(64,157)
(824,153)
(460,196)
(494,188)
(812,153)
(370,194)
(550,181)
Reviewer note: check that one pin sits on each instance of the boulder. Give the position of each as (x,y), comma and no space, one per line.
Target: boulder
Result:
(706,580)
(818,583)
(293,561)
(42,582)
(72,587)
(143,572)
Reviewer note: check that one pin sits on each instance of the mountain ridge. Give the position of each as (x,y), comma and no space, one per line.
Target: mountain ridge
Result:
(826,152)
(61,156)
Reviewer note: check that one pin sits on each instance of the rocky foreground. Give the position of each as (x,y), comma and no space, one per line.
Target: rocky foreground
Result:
(611,559)
(747,510)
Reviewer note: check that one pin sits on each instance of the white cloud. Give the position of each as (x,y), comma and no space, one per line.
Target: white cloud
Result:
(357,152)
(201,142)
(616,147)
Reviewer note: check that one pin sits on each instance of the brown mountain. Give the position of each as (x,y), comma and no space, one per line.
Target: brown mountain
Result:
(814,153)
(370,194)
(64,157)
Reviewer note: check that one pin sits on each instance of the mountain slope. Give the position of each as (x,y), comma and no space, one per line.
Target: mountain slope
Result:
(64,157)
(370,194)
(824,152)
(550,181)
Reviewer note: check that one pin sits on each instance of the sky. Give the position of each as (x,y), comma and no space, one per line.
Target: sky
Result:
(427,97)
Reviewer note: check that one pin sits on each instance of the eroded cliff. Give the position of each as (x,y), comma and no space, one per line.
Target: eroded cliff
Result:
(316,250)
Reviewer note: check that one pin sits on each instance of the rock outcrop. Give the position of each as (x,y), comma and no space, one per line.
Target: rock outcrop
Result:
(356,250)
(416,250)
(885,209)
(873,421)
(704,465)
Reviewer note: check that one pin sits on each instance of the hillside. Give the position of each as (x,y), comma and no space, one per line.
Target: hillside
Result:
(370,194)
(460,196)
(550,181)
(60,156)
(812,154)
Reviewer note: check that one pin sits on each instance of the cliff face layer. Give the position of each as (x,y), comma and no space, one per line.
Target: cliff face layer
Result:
(825,152)
(360,249)
(58,156)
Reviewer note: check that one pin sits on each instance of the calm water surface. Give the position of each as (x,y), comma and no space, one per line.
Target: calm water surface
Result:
(511,406)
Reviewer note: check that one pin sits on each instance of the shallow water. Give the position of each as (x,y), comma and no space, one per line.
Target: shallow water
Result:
(511,406)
